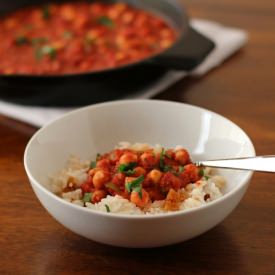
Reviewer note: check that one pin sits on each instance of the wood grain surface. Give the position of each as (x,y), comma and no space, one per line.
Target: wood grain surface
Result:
(243,90)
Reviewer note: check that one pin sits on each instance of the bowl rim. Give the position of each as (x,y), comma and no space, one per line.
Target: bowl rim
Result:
(247,176)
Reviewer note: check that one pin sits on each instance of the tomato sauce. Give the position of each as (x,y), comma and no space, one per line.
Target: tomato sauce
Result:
(140,176)
(79,37)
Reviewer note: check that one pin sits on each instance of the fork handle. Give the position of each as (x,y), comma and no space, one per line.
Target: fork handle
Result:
(259,163)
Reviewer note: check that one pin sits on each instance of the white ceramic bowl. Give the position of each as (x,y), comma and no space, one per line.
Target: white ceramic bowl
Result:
(99,128)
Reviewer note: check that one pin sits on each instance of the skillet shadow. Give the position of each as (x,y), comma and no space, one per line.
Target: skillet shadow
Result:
(213,251)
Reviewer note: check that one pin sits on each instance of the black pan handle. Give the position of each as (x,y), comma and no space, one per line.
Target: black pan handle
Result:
(187,53)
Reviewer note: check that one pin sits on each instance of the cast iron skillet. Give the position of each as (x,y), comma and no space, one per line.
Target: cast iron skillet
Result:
(91,87)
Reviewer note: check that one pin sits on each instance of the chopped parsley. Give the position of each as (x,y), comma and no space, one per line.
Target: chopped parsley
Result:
(181,169)
(206,177)
(127,169)
(45,51)
(92,164)
(106,21)
(107,208)
(21,40)
(135,185)
(167,168)
(87,197)
(201,172)
(161,159)
(98,157)
(46,12)
(50,51)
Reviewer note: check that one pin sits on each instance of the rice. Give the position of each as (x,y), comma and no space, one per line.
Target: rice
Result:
(116,204)
(75,170)
(207,189)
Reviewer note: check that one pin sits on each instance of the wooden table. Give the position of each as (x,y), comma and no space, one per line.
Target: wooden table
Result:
(243,89)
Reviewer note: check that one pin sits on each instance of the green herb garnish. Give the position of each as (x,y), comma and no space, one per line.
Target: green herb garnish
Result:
(107,208)
(135,185)
(181,169)
(21,40)
(45,51)
(201,172)
(127,169)
(50,51)
(98,157)
(68,34)
(206,177)
(161,159)
(87,197)
(92,164)
(112,186)
(106,21)
(167,168)
(46,12)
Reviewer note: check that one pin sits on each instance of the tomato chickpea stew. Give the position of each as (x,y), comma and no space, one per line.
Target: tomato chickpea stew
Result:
(78,37)
(138,179)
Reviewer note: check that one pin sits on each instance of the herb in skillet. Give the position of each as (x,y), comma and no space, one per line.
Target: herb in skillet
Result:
(106,21)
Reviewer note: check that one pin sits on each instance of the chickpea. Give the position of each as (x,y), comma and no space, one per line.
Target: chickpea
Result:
(129,179)
(120,7)
(98,195)
(113,13)
(115,155)
(166,43)
(154,176)
(92,172)
(100,178)
(184,179)
(140,201)
(118,179)
(127,158)
(166,33)
(139,171)
(192,171)
(169,181)
(182,156)
(67,13)
(58,45)
(127,17)
(104,164)
(81,21)
(148,160)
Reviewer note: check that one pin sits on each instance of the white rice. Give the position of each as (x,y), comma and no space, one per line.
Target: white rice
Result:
(116,204)
(76,169)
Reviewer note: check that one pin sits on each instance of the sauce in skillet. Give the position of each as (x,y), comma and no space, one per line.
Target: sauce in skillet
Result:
(79,37)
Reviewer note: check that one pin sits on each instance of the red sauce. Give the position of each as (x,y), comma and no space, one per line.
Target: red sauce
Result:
(140,176)
(79,37)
